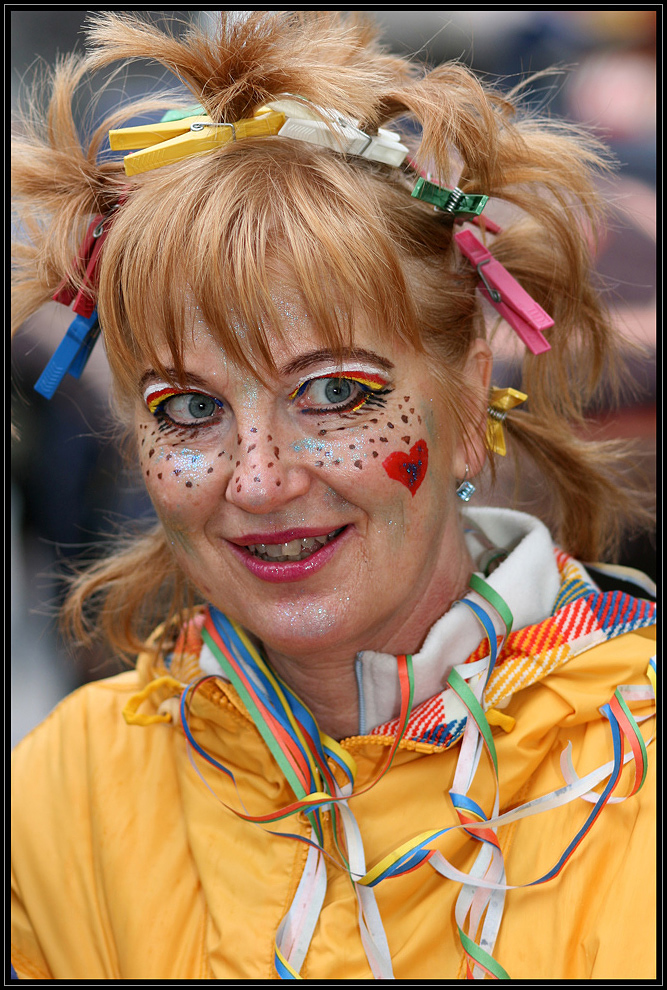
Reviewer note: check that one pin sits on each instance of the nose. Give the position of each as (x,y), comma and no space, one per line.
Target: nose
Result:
(267,473)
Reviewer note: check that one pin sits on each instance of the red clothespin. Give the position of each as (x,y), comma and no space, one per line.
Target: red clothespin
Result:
(507,297)
(89,255)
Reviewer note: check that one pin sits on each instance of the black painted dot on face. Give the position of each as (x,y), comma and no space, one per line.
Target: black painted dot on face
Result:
(383,440)
(269,437)
(238,488)
(375,453)
(406,440)
(188,484)
(390,425)
(337,461)
(351,446)
(222,452)
(412,412)
(147,473)
(251,447)
(253,429)
(177,471)
(160,477)
(168,457)
(276,453)
(143,441)
(237,463)
(270,464)
(239,439)
(277,484)
(404,419)
(210,471)
(151,452)
(358,464)
(319,463)
(406,398)
(257,478)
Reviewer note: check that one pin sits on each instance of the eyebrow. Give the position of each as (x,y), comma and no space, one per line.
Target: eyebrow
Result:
(187,379)
(316,357)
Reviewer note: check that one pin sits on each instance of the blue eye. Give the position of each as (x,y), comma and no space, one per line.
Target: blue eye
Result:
(191,409)
(330,394)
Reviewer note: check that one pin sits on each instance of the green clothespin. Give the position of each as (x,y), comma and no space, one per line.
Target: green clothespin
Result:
(461,205)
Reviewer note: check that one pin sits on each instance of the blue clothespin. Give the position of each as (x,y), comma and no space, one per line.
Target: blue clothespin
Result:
(71,354)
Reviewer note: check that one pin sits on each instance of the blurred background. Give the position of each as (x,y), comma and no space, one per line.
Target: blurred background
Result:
(70,487)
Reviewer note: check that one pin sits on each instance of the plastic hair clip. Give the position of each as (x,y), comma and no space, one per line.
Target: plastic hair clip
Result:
(463,206)
(71,354)
(524,315)
(502,400)
(174,139)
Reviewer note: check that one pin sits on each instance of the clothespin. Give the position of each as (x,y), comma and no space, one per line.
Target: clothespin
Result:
(502,400)
(172,140)
(507,297)
(71,354)
(463,206)
(304,123)
(75,348)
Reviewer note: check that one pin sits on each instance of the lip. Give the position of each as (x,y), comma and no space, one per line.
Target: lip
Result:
(287,571)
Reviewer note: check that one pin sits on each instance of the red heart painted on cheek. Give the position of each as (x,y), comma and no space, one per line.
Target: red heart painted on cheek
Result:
(409,469)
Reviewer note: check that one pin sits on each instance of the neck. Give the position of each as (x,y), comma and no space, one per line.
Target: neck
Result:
(325,680)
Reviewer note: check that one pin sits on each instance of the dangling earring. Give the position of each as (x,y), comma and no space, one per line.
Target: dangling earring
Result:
(466,489)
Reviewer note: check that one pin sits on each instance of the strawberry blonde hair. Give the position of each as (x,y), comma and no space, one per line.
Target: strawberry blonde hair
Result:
(217,228)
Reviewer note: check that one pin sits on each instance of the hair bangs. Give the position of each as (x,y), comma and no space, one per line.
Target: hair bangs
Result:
(244,228)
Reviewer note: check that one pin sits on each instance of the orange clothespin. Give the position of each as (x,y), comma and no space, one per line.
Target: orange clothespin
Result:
(502,400)
(172,140)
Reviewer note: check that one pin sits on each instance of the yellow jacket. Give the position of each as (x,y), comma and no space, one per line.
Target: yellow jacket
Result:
(126,867)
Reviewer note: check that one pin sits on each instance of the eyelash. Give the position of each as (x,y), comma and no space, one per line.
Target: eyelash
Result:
(374,396)
(165,420)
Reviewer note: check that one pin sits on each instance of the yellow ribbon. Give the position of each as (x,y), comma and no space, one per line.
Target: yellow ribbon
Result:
(131,712)
(501,401)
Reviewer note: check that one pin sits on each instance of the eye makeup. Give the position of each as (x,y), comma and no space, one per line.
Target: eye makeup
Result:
(174,406)
(340,390)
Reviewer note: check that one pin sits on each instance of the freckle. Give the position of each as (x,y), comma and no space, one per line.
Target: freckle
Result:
(251,447)
(210,471)
(257,478)
(358,464)
(277,484)
(319,463)
(253,429)
(412,411)
(188,484)
(406,439)
(383,440)
(375,453)
(400,406)
(390,425)
(168,457)
(176,472)
(270,464)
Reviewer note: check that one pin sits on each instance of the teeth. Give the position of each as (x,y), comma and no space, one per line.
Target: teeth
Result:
(294,550)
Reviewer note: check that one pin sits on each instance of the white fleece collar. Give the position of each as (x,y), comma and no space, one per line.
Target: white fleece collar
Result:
(528,580)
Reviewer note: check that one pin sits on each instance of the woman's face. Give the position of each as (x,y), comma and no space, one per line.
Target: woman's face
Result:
(317,510)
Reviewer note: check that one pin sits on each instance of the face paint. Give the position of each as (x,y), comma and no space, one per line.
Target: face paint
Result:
(409,469)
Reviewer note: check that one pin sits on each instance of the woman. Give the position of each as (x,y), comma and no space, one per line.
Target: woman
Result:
(330,757)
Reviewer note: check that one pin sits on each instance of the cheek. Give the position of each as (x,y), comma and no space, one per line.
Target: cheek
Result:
(180,479)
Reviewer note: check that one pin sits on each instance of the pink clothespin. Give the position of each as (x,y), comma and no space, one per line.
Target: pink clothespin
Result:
(507,297)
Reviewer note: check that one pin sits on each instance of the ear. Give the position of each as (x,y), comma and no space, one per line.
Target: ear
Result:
(471,448)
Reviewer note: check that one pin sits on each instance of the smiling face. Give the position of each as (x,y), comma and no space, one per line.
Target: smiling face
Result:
(317,509)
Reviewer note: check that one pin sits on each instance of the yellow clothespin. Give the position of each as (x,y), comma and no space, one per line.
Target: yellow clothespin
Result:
(502,400)
(171,140)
